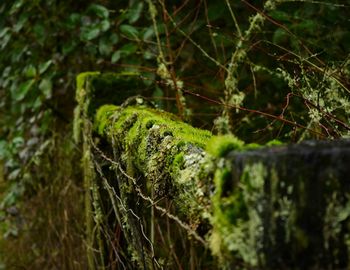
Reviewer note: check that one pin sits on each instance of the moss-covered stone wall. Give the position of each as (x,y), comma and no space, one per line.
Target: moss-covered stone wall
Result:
(161,194)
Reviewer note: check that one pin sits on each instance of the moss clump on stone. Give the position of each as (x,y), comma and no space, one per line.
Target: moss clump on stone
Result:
(274,142)
(219,146)
(102,116)
(146,119)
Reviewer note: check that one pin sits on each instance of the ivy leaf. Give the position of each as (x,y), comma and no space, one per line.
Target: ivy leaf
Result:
(43,67)
(114,38)
(18,141)
(21,22)
(105,47)
(105,25)
(4,31)
(29,71)
(3,149)
(46,87)
(16,6)
(128,49)
(69,46)
(14,174)
(19,93)
(148,55)
(5,41)
(215,10)
(135,12)
(90,33)
(129,31)
(36,104)
(73,20)
(115,57)
(280,15)
(148,33)
(39,31)
(99,10)
(280,36)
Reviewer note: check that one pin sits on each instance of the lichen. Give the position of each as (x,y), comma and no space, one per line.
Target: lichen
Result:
(237,224)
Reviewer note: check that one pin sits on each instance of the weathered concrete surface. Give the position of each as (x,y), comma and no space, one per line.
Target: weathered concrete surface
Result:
(291,206)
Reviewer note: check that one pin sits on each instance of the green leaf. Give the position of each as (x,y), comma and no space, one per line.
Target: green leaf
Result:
(90,33)
(148,55)
(18,141)
(20,92)
(4,31)
(29,71)
(105,25)
(21,22)
(3,149)
(36,104)
(43,67)
(69,46)
(216,10)
(129,31)
(114,38)
(135,12)
(280,15)
(39,30)
(115,57)
(5,40)
(148,33)
(280,36)
(13,175)
(46,87)
(16,6)
(99,10)
(104,46)
(128,49)
(73,20)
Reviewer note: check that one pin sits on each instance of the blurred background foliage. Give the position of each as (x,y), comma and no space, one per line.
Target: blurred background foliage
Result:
(292,75)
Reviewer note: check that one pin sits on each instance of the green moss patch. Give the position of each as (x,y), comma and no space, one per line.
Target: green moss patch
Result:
(219,146)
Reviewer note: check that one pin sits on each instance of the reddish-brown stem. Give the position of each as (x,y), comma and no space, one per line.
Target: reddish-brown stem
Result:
(278,118)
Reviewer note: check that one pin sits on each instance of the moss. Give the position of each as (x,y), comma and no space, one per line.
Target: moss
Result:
(178,162)
(168,124)
(219,146)
(252,146)
(81,80)
(83,99)
(77,124)
(274,143)
(102,116)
